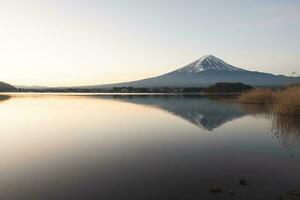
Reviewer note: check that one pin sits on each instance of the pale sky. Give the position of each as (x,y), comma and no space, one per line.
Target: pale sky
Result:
(83,42)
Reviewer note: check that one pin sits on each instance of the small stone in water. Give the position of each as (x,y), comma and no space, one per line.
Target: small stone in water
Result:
(214,190)
(243,181)
(231,192)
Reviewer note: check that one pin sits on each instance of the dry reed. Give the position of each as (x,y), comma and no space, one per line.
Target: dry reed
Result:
(258,96)
(288,101)
(284,101)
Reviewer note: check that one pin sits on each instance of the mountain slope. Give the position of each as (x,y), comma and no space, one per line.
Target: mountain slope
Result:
(4,87)
(206,71)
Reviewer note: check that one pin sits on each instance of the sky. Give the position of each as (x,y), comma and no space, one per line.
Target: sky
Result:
(86,42)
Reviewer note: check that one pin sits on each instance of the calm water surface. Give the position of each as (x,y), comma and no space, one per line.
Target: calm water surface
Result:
(143,148)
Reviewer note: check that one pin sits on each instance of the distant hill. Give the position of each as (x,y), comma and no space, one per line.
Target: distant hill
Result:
(5,87)
(206,71)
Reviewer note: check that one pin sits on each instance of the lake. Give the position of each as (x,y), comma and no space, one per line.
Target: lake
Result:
(143,147)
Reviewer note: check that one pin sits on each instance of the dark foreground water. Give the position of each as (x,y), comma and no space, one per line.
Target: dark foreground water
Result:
(143,148)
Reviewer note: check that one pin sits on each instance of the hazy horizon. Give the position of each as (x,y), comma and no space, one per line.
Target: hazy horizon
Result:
(72,43)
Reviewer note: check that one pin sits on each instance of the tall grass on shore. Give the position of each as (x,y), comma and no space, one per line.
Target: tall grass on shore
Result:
(258,96)
(288,101)
(283,101)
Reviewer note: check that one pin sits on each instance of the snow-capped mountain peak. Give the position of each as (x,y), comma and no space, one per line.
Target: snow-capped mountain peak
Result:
(204,72)
(208,62)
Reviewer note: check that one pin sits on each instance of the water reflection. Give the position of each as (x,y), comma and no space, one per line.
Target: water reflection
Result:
(203,112)
(211,113)
(4,97)
(120,147)
(287,129)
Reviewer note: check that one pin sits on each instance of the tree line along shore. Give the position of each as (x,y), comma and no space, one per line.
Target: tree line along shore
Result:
(215,88)
(284,99)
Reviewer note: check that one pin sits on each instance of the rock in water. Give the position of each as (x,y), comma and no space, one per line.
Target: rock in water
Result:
(243,181)
(231,192)
(214,190)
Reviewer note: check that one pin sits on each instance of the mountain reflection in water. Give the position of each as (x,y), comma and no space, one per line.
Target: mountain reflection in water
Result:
(210,113)
(4,97)
(201,111)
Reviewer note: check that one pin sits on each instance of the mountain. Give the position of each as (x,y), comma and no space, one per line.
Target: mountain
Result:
(206,71)
(4,87)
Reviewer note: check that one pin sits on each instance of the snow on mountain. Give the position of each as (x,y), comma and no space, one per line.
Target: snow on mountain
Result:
(208,62)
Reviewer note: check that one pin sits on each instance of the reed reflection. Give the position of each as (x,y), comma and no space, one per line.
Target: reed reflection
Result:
(286,128)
